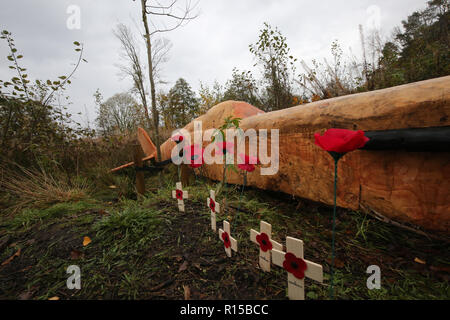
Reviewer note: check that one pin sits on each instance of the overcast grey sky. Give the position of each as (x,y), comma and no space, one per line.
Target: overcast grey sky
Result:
(206,49)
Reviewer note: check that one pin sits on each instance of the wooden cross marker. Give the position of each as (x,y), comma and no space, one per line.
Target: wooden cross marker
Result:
(292,261)
(180,195)
(266,244)
(213,207)
(228,241)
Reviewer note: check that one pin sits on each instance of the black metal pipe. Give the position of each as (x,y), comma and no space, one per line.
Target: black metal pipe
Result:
(431,139)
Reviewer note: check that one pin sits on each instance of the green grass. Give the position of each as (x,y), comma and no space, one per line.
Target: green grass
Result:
(27,218)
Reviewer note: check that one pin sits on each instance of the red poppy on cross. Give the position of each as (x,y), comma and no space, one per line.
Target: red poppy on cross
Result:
(180,195)
(266,244)
(213,207)
(229,242)
(298,268)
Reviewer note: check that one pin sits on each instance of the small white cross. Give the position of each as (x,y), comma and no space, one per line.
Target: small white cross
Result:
(265,239)
(180,193)
(211,203)
(296,286)
(232,243)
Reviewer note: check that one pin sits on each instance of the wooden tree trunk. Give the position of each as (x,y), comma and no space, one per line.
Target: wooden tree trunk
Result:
(152,81)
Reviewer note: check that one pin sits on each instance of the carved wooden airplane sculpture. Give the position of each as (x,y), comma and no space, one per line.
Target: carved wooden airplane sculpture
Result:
(402,174)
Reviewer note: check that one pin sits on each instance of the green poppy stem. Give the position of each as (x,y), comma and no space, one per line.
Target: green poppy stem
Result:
(201,172)
(240,199)
(195,175)
(224,184)
(334,230)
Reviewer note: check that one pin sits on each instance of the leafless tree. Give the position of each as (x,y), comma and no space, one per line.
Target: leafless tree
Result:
(177,16)
(134,68)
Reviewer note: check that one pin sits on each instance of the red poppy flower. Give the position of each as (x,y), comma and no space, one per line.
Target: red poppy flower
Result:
(264,242)
(212,205)
(294,265)
(224,147)
(194,155)
(179,194)
(249,162)
(226,239)
(341,140)
(178,138)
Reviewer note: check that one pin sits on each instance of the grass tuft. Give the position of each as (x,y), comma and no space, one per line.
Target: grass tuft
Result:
(38,188)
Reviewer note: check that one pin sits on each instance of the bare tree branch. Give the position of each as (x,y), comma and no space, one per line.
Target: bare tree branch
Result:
(160,6)
(61,85)
(168,11)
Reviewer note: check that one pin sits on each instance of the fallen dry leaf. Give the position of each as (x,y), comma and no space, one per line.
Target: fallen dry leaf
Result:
(53,298)
(187,292)
(76,254)
(86,241)
(183,266)
(113,187)
(419,261)
(8,261)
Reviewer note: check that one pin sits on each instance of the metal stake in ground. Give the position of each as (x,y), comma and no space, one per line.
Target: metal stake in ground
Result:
(266,244)
(180,195)
(214,207)
(138,155)
(297,268)
(225,236)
